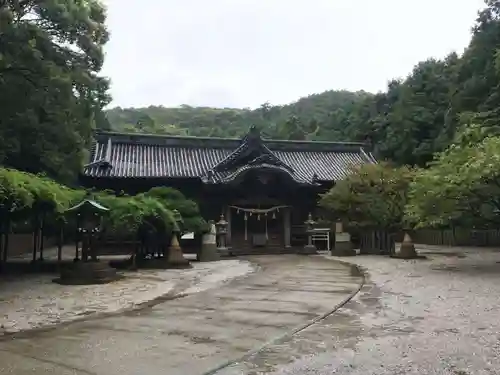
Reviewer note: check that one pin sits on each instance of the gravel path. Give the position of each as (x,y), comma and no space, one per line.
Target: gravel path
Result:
(34,301)
(194,334)
(434,316)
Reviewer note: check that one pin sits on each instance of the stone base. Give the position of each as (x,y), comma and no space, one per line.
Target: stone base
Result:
(87,273)
(209,253)
(176,258)
(308,250)
(223,252)
(407,251)
(343,249)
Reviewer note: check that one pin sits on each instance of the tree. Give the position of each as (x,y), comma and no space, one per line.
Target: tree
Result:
(462,184)
(188,209)
(292,129)
(414,118)
(50,56)
(373,196)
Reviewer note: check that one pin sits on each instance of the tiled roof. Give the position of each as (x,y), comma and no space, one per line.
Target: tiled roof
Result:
(264,162)
(118,155)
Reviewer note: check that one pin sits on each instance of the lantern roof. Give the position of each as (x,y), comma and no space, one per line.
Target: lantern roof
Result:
(88,204)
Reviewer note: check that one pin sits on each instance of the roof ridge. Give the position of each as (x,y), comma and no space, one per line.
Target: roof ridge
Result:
(204,138)
(252,142)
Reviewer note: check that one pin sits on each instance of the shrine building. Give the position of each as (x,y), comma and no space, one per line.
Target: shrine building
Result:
(264,188)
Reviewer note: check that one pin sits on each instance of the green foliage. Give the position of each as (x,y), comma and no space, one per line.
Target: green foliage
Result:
(20,191)
(298,120)
(174,200)
(129,214)
(412,120)
(51,94)
(462,184)
(14,194)
(24,195)
(372,196)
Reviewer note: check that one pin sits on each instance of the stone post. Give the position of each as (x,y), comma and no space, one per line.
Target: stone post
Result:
(343,244)
(209,245)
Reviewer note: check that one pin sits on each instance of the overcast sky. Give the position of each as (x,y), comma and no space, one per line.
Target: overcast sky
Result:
(242,53)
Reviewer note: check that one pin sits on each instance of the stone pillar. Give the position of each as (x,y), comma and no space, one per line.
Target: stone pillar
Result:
(209,245)
(343,244)
(287,227)
(228,219)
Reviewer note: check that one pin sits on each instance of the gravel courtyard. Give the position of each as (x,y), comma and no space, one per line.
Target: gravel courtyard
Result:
(34,301)
(193,334)
(436,316)
(433,316)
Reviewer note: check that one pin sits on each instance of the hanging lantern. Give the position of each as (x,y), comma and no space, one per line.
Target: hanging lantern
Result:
(238,211)
(250,213)
(245,217)
(274,215)
(258,217)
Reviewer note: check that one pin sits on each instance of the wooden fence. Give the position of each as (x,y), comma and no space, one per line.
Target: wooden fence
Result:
(457,237)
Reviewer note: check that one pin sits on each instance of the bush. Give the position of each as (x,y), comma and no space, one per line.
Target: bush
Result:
(172,199)
(129,214)
(26,196)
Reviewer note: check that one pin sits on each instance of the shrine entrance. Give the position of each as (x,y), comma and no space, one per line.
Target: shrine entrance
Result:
(258,227)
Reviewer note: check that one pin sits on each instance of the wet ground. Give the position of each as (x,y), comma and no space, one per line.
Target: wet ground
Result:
(435,316)
(33,300)
(191,335)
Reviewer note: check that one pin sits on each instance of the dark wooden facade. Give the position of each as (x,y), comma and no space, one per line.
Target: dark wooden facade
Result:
(264,188)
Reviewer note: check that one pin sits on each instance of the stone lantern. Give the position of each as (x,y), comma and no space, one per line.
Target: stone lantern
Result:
(89,215)
(310,248)
(88,223)
(222,227)
(175,255)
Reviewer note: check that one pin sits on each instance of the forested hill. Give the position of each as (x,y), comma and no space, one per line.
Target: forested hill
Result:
(299,120)
(414,118)
(53,97)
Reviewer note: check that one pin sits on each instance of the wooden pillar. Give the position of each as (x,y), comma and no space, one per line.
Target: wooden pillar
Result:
(35,244)
(6,241)
(77,240)
(41,242)
(287,226)
(60,240)
(228,219)
(2,247)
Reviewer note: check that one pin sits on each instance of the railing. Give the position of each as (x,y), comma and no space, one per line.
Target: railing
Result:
(321,235)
